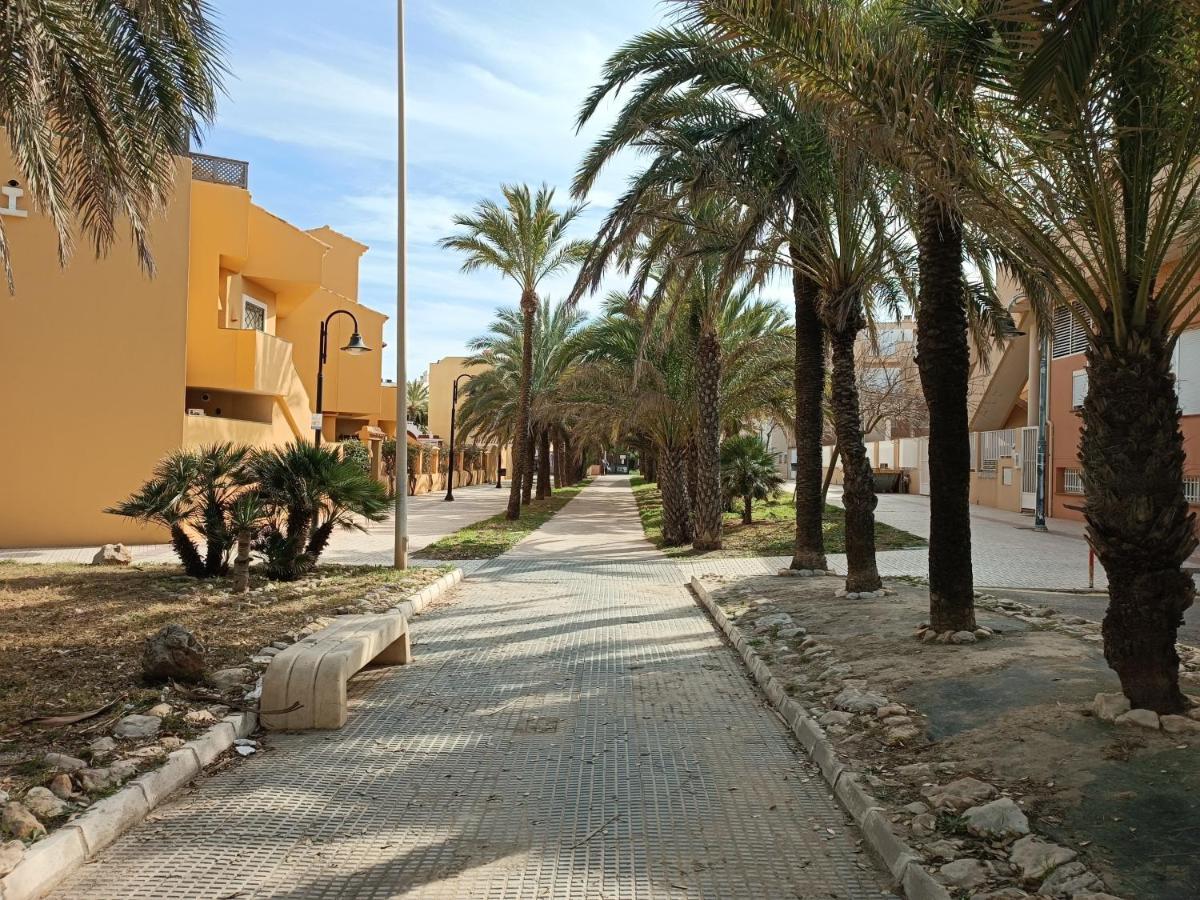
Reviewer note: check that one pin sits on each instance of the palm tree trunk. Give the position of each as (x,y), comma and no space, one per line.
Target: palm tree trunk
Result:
(944,363)
(858,489)
(747,510)
(185,548)
(523,452)
(530,469)
(241,563)
(543,474)
(707,526)
(1137,515)
(833,461)
(809,380)
(677,507)
(690,473)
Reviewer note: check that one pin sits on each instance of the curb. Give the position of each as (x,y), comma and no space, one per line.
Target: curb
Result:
(52,859)
(901,860)
(428,594)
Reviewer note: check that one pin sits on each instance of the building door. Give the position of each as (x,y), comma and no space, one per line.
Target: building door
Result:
(1028,447)
(923,464)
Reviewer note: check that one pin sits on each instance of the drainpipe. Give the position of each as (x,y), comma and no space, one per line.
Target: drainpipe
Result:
(1039,509)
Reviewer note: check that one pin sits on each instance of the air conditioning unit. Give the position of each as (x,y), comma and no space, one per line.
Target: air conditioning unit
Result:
(195,412)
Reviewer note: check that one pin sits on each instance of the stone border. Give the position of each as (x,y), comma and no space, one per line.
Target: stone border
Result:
(50,860)
(53,858)
(902,861)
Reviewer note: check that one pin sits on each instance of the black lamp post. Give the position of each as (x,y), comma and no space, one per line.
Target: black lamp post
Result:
(355,347)
(453,411)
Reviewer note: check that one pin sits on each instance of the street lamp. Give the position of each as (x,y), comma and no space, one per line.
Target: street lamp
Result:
(355,347)
(453,410)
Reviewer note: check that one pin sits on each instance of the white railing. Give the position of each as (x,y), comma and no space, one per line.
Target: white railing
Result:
(1072,481)
(993,446)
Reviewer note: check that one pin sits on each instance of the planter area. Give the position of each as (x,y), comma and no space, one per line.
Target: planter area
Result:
(88,746)
(992,757)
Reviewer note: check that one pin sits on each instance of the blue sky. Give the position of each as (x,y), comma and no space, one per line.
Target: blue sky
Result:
(493,89)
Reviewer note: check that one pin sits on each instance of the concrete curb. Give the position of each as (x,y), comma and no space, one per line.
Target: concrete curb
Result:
(901,860)
(52,859)
(428,594)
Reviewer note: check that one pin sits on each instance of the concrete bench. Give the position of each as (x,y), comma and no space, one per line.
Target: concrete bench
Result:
(313,672)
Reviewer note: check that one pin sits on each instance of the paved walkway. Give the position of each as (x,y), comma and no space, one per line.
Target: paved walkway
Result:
(572,727)
(429,518)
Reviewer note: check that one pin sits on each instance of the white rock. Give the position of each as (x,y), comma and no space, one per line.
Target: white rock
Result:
(20,823)
(901,734)
(790,632)
(245,751)
(60,762)
(136,726)
(11,853)
(958,795)
(1037,858)
(112,555)
(170,742)
(916,808)
(983,633)
(1178,724)
(61,786)
(834,717)
(43,804)
(1109,706)
(963,637)
(852,700)
(200,717)
(1142,718)
(999,820)
(162,710)
(775,620)
(923,825)
(1070,880)
(102,745)
(965,873)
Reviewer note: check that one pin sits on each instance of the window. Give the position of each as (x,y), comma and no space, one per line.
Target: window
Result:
(1079,388)
(1186,365)
(1069,336)
(254,315)
(876,378)
(889,339)
(1072,481)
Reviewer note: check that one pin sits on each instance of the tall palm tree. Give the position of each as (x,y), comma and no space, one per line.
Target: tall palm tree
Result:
(96,100)
(1096,183)
(490,396)
(417,401)
(761,156)
(525,241)
(874,74)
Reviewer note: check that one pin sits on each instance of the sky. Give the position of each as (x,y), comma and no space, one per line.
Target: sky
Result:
(493,89)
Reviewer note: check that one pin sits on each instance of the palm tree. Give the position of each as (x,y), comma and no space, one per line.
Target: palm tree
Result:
(878,80)
(491,396)
(306,491)
(417,401)
(1096,183)
(192,492)
(748,470)
(760,156)
(246,516)
(97,100)
(526,241)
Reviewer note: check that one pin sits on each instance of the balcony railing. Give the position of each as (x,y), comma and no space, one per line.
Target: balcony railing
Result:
(220,170)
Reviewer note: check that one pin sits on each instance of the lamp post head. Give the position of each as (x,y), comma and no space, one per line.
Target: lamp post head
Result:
(356,345)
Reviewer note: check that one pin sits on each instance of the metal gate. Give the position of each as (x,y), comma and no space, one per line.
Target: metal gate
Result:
(923,464)
(1028,447)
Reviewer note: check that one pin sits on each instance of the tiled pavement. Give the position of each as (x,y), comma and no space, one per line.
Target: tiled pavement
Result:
(429,518)
(572,727)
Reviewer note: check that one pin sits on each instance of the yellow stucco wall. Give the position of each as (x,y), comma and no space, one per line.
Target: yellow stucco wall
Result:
(91,379)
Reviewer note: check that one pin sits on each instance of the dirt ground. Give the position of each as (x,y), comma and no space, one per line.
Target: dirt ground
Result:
(71,641)
(1012,710)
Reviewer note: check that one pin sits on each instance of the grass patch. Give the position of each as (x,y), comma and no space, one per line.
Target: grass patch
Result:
(491,537)
(773,532)
(71,635)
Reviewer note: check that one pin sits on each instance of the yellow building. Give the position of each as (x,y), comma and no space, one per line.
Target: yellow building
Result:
(104,370)
(441,387)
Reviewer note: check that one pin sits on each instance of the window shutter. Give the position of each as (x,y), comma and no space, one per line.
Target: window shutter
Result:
(1187,372)
(1079,388)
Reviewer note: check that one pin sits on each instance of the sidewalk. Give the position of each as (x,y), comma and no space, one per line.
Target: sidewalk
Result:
(571,727)
(429,519)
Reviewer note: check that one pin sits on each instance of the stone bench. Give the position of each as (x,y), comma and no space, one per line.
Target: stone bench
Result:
(313,672)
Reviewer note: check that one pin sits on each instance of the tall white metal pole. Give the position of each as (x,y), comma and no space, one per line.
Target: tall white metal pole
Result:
(400,555)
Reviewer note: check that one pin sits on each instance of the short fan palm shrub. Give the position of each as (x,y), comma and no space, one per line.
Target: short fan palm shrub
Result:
(748,471)
(191,493)
(306,492)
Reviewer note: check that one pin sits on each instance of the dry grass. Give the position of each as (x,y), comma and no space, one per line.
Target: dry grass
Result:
(71,635)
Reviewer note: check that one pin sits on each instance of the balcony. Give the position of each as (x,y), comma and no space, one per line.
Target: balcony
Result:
(219,170)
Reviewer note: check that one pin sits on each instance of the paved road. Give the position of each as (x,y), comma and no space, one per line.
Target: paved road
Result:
(572,727)
(429,518)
